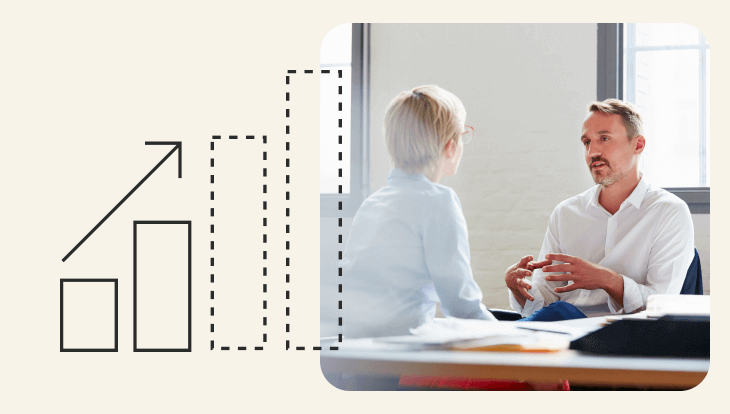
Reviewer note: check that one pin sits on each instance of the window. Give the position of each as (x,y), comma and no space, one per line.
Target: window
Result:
(343,148)
(664,70)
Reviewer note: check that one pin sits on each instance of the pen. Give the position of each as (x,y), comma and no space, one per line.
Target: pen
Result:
(542,330)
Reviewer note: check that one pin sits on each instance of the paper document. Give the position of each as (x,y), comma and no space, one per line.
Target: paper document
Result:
(660,305)
(469,334)
(477,335)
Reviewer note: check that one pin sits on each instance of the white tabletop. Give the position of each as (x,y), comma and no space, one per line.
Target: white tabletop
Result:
(578,367)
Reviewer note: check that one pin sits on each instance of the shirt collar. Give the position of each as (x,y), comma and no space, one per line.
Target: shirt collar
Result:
(398,173)
(639,192)
(636,197)
(593,199)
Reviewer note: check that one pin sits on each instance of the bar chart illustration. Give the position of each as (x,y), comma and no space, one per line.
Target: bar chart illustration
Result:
(251,289)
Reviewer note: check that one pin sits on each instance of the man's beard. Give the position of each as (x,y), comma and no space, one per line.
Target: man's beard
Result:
(606,180)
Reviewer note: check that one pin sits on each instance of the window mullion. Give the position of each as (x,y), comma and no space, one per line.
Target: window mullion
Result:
(703,112)
(631,63)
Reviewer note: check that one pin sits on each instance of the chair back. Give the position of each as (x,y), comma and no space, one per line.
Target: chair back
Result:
(693,281)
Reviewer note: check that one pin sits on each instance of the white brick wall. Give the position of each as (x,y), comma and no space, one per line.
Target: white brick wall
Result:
(525,88)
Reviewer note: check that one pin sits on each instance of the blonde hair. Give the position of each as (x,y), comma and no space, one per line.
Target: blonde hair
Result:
(418,125)
(630,116)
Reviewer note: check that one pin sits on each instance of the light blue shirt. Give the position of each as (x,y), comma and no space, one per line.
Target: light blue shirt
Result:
(408,250)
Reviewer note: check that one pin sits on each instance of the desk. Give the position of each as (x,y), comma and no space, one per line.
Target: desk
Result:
(577,367)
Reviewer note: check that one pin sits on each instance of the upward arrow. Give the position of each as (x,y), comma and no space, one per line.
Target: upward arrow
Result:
(178,148)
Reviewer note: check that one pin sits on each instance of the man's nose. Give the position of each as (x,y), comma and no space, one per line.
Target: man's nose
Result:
(593,150)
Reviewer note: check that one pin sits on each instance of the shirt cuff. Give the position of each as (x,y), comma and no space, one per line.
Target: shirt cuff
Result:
(530,306)
(632,298)
(513,302)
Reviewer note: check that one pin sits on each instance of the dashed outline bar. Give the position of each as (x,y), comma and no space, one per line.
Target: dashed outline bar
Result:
(264,242)
(212,248)
(339,221)
(287,329)
(288,131)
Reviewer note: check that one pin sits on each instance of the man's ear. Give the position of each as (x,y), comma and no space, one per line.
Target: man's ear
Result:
(640,144)
(450,149)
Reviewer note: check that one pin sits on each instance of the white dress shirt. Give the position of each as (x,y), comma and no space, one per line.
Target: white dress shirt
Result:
(408,249)
(649,242)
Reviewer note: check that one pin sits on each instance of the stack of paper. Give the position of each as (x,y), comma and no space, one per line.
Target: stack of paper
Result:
(469,334)
(660,305)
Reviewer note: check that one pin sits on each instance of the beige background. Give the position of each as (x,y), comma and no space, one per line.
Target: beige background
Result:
(83,85)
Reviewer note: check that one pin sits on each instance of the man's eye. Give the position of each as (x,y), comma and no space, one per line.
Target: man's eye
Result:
(585,143)
(604,138)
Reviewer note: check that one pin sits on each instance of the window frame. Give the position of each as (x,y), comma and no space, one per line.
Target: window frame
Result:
(329,204)
(610,52)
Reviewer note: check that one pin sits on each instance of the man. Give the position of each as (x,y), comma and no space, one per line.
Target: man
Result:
(607,249)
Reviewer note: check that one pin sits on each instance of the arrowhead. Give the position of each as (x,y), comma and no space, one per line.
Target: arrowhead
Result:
(178,147)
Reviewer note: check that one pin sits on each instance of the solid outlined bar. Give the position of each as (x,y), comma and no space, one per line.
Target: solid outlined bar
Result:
(162,279)
(116,315)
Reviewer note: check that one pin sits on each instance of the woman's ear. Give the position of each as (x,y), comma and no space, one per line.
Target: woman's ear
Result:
(450,149)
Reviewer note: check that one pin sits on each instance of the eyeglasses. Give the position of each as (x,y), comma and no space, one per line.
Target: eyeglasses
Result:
(468,134)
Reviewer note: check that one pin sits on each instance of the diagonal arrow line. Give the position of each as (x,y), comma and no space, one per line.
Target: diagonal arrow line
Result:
(178,148)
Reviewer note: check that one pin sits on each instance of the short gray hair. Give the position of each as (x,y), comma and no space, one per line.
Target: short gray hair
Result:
(630,116)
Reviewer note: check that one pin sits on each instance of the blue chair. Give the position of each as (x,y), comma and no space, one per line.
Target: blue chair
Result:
(693,281)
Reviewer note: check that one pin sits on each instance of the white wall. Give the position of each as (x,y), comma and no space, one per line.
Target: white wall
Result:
(525,88)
